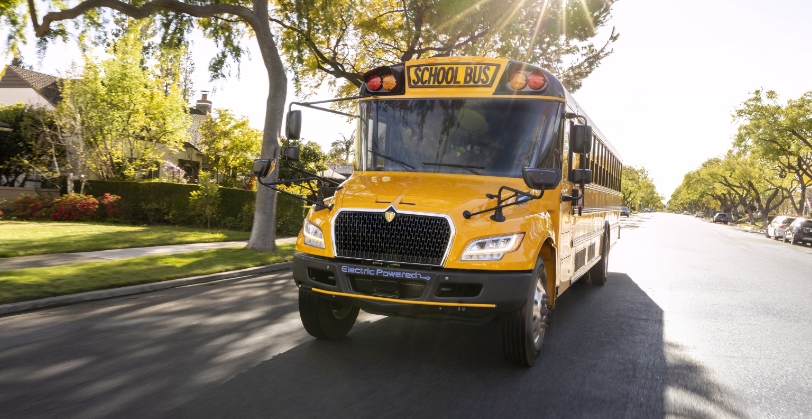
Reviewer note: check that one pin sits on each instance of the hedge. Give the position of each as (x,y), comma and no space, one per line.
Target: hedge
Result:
(168,203)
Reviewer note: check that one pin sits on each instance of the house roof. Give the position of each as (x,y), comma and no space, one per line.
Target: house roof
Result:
(46,85)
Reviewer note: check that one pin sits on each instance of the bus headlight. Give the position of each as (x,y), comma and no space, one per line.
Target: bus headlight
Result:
(492,248)
(312,235)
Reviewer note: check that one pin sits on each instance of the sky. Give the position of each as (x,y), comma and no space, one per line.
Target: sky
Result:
(664,98)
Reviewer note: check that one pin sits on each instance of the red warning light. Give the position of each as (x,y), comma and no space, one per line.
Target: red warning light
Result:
(374,83)
(536,81)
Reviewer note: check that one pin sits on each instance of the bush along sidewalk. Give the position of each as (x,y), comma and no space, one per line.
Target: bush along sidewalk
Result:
(72,207)
(169,203)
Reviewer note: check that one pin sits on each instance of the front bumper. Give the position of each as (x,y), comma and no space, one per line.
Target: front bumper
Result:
(446,294)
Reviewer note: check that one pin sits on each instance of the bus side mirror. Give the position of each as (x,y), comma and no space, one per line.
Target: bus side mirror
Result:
(290,152)
(581,139)
(263,167)
(293,125)
(541,178)
(581,176)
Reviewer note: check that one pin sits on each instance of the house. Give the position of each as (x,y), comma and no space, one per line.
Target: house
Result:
(43,90)
(337,171)
(30,87)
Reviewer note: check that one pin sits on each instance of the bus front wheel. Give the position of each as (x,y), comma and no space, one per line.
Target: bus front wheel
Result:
(523,330)
(325,319)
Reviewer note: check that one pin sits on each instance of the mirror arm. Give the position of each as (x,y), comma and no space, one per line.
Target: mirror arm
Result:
(311,175)
(572,115)
(498,216)
(319,203)
(310,105)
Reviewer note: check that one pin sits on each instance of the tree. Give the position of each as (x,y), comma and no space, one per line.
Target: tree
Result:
(31,145)
(311,159)
(125,116)
(780,134)
(224,21)
(230,145)
(638,190)
(341,150)
(345,38)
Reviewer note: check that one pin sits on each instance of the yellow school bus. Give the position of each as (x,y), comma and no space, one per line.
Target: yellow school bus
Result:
(481,191)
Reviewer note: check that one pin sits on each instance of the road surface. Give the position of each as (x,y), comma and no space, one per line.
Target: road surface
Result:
(696,320)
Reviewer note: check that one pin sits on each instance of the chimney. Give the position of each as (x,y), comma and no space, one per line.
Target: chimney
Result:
(204,104)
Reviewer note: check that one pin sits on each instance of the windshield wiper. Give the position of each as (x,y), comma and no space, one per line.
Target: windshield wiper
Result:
(459,166)
(390,158)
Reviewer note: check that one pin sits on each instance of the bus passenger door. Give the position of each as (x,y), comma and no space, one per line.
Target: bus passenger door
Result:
(566,218)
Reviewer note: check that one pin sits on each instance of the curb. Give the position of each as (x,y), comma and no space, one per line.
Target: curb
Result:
(81,297)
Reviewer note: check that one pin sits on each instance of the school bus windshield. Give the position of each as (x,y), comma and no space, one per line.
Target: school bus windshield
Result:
(489,137)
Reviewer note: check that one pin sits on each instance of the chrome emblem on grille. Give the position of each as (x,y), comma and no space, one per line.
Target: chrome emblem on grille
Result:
(389,215)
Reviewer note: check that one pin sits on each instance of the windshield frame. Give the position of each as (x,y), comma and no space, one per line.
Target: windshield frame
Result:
(540,128)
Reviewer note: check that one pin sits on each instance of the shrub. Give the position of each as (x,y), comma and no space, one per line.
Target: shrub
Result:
(204,201)
(108,206)
(71,207)
(74,207)
(31,206)
(168,203)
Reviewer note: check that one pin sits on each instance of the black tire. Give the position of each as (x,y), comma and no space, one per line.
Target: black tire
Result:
(523,330)
(325,319)
(597,274)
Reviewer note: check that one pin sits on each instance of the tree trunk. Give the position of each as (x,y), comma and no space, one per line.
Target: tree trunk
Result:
(263,231)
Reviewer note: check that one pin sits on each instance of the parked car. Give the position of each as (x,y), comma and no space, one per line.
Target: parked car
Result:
(720,217)
(699,215)
(777,227)
(799,232)
(624,211)
(686,213)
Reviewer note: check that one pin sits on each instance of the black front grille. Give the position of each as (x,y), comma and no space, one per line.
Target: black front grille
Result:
(408,238)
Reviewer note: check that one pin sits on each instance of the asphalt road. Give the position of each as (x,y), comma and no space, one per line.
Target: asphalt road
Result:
(696,320)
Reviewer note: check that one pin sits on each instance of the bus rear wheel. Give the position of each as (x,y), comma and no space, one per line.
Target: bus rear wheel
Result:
(598,272)
(523,330)
(325,319)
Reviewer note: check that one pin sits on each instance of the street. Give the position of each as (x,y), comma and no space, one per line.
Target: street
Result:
(696,320)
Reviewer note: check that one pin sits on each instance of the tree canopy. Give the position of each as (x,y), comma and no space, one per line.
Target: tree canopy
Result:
(230,145)
(781,134)
(30,145)
(345,38)
(122,111)
(638,189)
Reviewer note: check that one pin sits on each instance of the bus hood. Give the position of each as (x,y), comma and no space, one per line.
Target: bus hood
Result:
(420,192)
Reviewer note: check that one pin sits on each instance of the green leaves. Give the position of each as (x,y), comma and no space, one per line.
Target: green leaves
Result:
(345,38)
(230,144)
(638,189)
(128,115)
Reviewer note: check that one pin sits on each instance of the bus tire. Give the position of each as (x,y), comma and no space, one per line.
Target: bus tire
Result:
(325,319)
(523,330)
(598,273)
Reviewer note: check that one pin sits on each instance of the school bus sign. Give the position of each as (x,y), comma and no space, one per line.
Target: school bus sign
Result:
(454,75)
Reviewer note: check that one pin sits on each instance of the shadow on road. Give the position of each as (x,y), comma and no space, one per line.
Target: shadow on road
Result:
(604,356)
(143,355)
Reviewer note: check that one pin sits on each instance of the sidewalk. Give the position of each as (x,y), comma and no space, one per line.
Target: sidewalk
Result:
(56,259)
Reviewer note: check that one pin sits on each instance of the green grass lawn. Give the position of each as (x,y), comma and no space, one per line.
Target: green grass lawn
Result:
(34,283)
(23,238)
